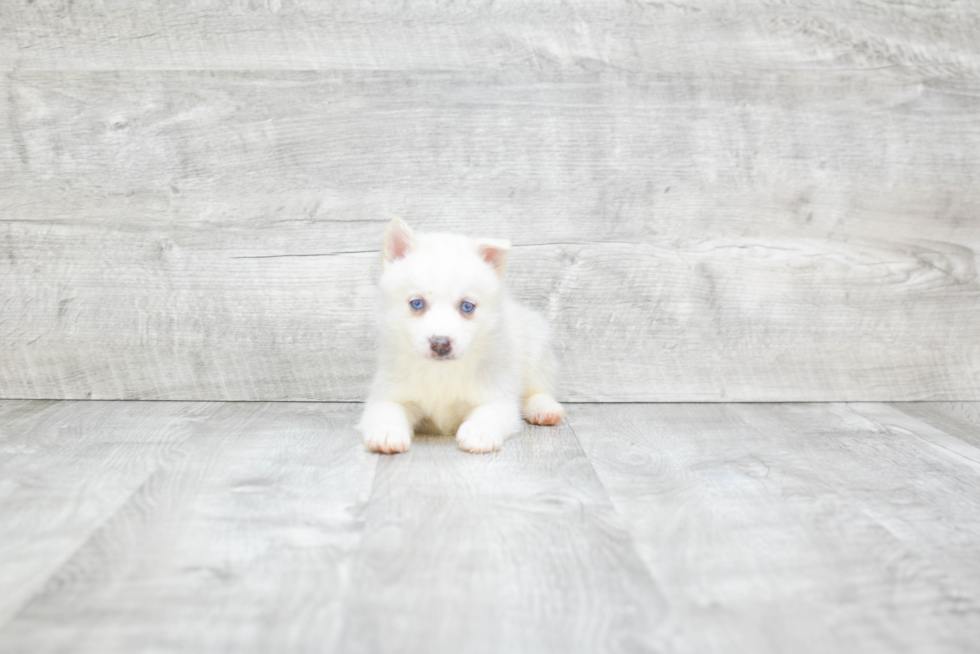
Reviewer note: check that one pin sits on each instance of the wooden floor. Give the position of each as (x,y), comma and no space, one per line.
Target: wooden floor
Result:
(265,527)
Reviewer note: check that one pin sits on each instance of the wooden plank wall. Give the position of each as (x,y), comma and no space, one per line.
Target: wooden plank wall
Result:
(711,201)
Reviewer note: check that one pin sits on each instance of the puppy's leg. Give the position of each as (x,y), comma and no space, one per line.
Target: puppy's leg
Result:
(539,406)
(487,427)
(542,409)
(387,427)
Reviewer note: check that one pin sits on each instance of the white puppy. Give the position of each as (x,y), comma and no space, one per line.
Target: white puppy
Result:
(457,353)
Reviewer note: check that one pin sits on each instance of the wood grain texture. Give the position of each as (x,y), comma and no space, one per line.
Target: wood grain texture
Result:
(968,411)
(240,543)
(960,419)
(519,551)
(774,201)
(469,35)
(214,236)
(65,469)
(809,528)
(258,527)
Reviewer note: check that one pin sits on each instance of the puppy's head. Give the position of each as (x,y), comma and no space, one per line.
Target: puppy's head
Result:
(441,292)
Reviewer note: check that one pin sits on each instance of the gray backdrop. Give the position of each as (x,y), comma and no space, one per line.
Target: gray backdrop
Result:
(711,201)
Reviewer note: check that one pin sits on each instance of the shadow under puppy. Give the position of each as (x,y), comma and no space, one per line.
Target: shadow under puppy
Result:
(457,353)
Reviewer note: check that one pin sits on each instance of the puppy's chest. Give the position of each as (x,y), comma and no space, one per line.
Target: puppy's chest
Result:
(441,385)
(444,400)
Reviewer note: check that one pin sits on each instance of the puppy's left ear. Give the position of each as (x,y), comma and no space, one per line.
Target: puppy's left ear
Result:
(494,252)
(399,240)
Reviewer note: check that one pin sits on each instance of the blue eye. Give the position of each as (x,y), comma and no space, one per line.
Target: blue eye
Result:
(417,304)
(467,307)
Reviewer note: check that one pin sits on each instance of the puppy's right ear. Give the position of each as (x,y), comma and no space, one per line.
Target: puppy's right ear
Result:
(399,240)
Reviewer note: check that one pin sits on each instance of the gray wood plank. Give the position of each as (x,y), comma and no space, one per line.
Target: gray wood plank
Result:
(969,411)
(806,528)
(762,236)
(431,35)
(960,419)
(519,551)
(241,543)
(65,469)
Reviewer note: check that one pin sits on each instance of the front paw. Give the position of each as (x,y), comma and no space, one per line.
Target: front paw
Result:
(542,409)
(478,439)
(388,441)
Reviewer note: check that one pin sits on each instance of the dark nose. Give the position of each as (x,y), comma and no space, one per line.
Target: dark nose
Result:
(440,345)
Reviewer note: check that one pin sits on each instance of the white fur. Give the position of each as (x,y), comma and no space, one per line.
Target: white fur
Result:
(500,365)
